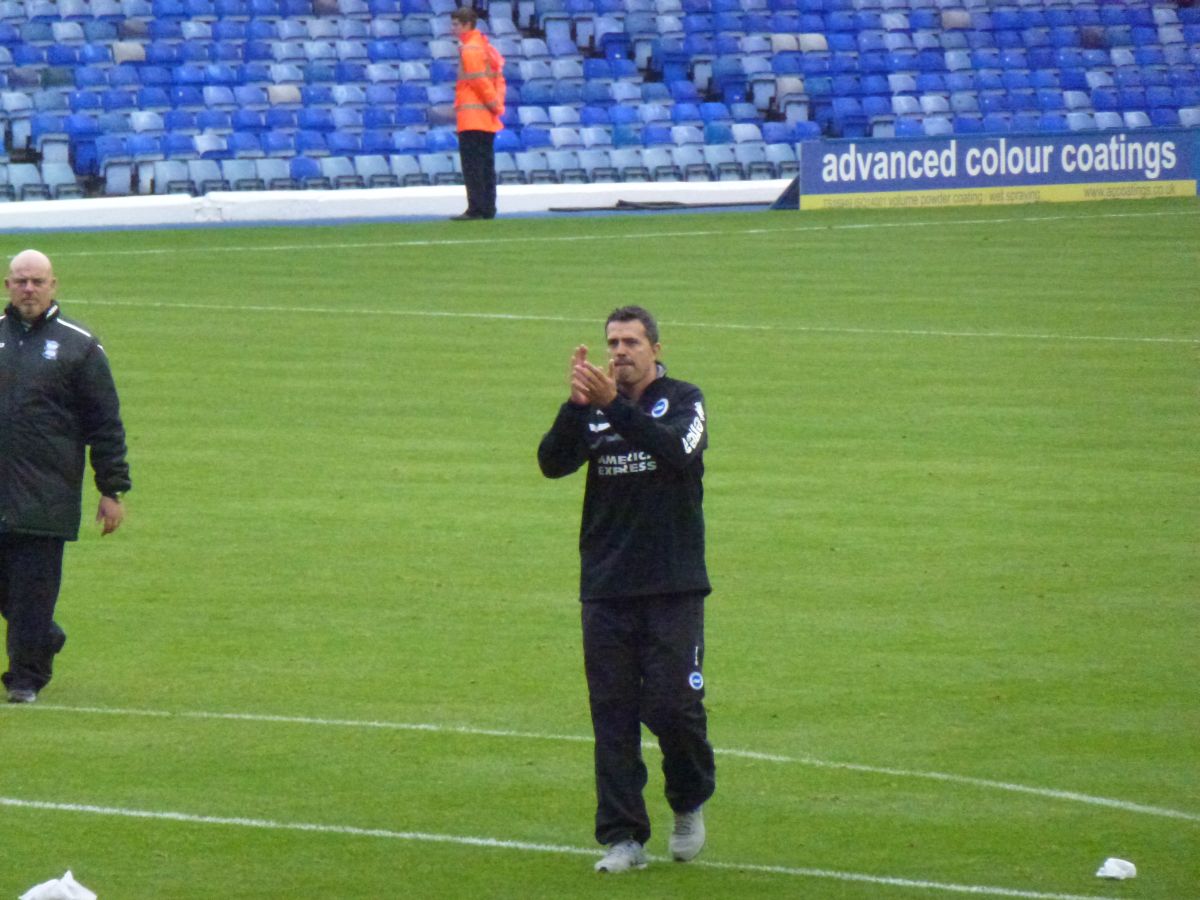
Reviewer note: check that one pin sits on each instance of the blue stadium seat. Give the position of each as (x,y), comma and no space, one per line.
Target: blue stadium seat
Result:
(566,166)
(508,141)
(596,136)
(280,118)
(657,136)
(26,181)
(211,145)
(598,165)
(446,141)
(597,94)
(250,97)
(347,120)
(564,115)
(275,173)
(996,123)
(848,118)
(1025,122)
(145,148)
(533,115)
(306,173)
(311,143)
(315,119)
(242,175)
(376,142)
(722,162)
(343,144)
(403,142)
(375,171)
(441,167)
(379,118)
(686,114)
(279,144)
(83,101)
(566,138)
(1136,118)
(689,159)
(1080,120)
(534,166)
(407,170)
(718,133)
(206,175)
(629,164)
(661,164)
(340,172)
(244,145)
(217,121)
(48,127)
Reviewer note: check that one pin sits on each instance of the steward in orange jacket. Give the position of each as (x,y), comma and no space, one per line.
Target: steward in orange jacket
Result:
(478,104)
(479,91)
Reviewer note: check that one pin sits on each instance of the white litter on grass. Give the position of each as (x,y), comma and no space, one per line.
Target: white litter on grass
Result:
(65,888)
(1119,869)
(977,890)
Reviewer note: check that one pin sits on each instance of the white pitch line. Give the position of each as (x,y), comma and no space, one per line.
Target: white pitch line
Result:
(1082,216)
(1052,793)
(528,847)
(719,326)
(433,728)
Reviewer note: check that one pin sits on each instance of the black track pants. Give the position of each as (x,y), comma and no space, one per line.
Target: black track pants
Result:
(476,153)
(644,661)
(30,576)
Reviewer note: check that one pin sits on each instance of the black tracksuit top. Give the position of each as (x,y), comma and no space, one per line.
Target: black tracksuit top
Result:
(57,398)
(643,519)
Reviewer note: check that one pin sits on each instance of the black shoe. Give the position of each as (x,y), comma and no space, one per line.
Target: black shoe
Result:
(21,695)
(466,217)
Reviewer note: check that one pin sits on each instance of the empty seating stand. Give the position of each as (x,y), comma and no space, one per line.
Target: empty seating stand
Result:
(352,94)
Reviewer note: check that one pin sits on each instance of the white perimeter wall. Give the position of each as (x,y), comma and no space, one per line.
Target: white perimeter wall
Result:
(296,207)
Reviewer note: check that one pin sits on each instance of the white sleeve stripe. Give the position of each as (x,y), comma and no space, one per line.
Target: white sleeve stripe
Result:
(74,328)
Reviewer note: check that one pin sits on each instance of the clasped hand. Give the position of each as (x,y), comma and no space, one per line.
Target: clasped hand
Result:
(589,383)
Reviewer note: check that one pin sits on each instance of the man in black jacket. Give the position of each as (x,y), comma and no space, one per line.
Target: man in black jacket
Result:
(643,581)
(57,400)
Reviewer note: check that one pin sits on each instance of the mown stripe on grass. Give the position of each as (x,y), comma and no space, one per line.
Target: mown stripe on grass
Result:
(474,731)
(523,846)
(781,228)
(718,326)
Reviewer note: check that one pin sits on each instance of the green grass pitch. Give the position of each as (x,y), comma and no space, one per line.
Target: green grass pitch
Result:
(952,498)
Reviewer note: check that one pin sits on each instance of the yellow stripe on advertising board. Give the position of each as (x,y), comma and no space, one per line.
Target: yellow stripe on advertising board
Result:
(995,196)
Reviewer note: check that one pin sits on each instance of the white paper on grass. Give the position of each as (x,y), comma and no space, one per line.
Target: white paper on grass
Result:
(1119,869)
(65,888)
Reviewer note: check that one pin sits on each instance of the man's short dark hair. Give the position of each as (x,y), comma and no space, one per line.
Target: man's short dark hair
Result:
(634,314)
(464,15)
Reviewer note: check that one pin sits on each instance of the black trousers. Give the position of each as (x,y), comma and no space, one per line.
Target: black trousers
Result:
(477,154)
(644,661)
(30,576)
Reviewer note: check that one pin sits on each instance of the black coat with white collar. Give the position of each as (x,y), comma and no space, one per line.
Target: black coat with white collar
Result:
(57,399)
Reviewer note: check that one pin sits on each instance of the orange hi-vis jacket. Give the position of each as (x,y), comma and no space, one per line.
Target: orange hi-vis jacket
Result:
(479,91)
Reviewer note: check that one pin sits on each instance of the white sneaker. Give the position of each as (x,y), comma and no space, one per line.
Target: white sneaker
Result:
(622,857)
(687,838)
